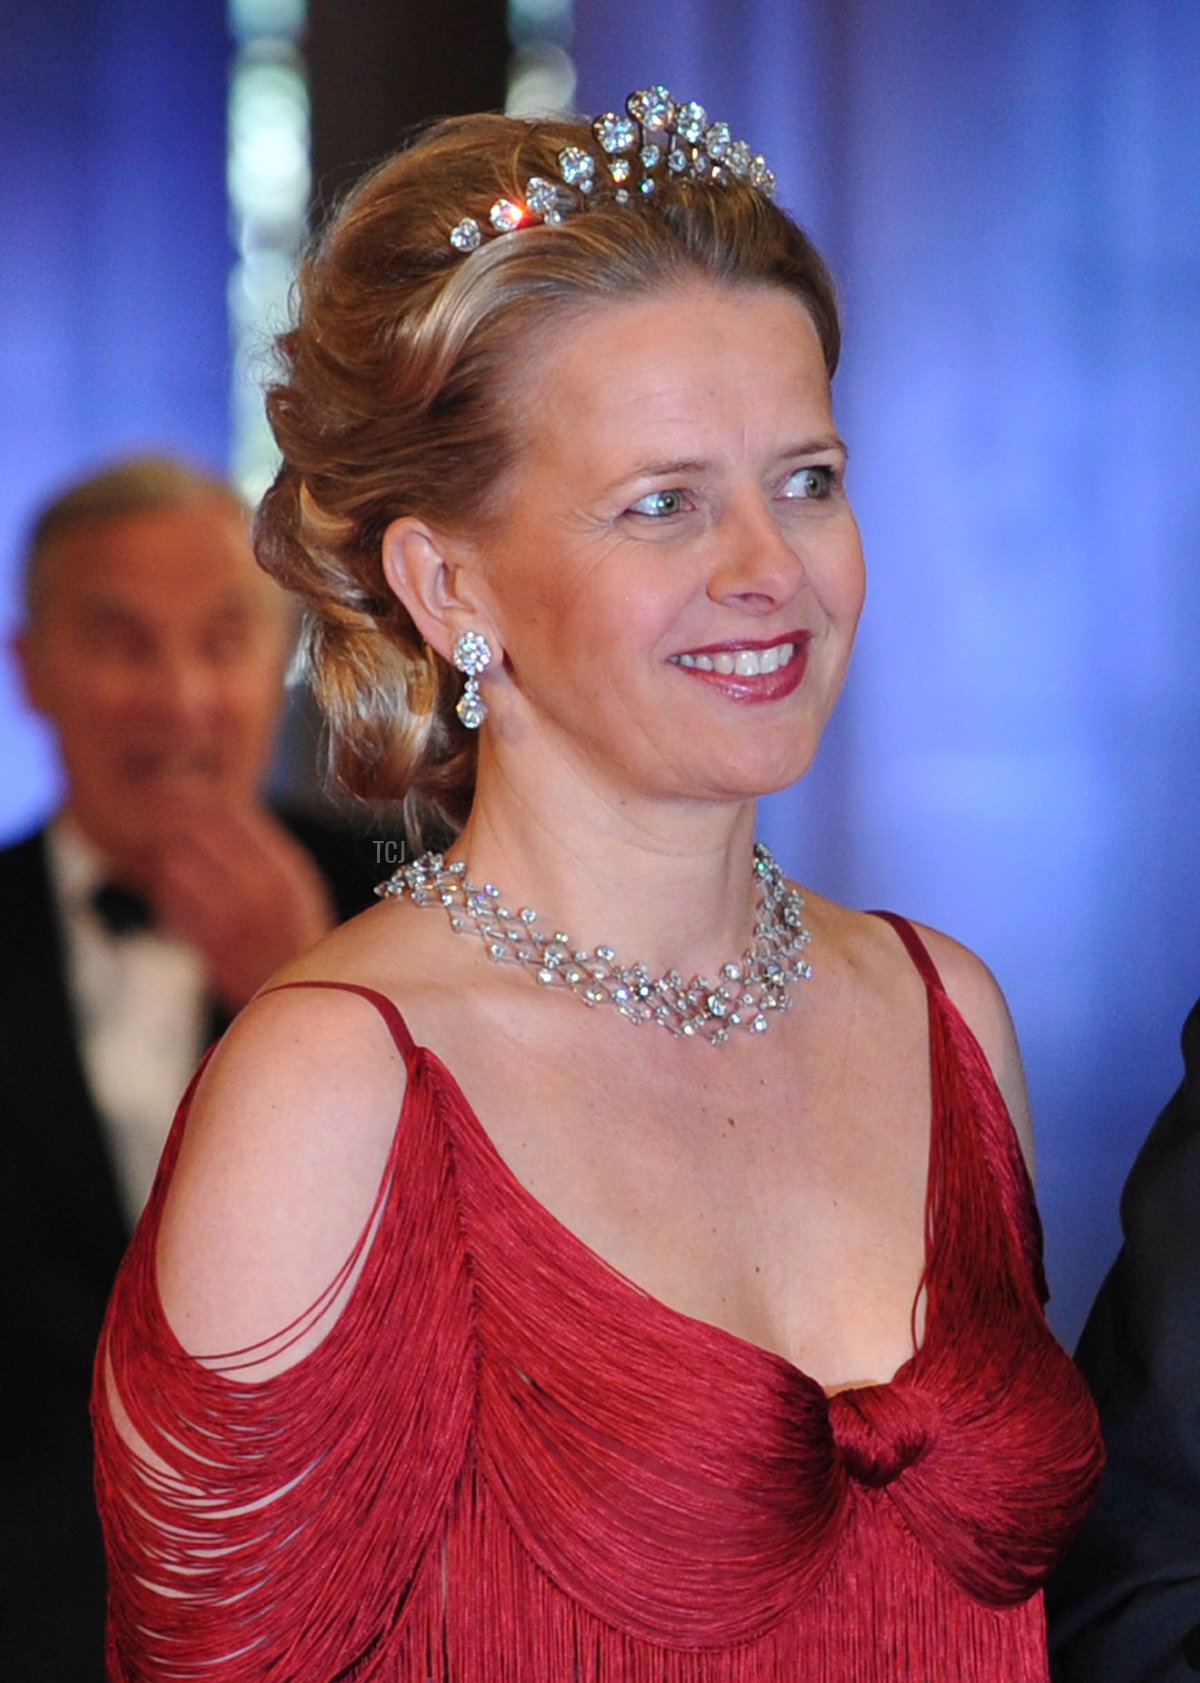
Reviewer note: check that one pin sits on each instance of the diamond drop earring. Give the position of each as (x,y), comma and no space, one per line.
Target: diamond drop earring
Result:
(472,655)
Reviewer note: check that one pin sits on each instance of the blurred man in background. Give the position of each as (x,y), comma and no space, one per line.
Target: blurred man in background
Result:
(154,903)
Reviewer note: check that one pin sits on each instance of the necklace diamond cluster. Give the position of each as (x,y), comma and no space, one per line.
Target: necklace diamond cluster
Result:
(742,997)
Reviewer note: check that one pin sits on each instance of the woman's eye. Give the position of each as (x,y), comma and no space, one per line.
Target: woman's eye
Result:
(660,504)
(810,482)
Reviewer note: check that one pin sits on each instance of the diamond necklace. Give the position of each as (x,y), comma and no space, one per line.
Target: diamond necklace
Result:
(741,998)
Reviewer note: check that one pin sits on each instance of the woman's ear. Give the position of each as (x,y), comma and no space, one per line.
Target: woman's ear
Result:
(432,576)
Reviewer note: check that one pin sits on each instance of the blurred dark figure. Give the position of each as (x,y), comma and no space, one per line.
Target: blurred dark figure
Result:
(1125,1603)
(159,897)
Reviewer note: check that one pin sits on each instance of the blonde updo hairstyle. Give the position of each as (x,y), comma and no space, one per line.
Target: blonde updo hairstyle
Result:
(392,401)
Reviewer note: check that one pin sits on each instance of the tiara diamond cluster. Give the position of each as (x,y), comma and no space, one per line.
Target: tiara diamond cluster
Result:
(655,139)
(741,998)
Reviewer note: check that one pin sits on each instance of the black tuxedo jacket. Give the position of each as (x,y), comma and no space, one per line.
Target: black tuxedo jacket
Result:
(62,1235)
(1125,1604)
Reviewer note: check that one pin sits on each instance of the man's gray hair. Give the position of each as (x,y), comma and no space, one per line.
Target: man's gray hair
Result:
(134,485)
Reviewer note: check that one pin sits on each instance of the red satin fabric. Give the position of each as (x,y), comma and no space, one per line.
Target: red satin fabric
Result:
(505,1463)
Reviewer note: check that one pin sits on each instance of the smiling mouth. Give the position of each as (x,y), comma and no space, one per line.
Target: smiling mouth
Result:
(740,663)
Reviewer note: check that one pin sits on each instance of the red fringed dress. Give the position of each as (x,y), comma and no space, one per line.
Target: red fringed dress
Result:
(505,1463)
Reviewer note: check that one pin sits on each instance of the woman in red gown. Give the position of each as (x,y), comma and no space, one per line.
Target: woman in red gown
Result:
(528,1292)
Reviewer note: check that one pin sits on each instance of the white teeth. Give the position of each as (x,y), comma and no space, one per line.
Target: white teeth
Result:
(746,663)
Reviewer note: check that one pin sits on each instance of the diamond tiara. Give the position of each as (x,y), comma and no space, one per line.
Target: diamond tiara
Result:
(656,140)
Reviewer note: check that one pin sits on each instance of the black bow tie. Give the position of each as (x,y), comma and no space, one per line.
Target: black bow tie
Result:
(121,911)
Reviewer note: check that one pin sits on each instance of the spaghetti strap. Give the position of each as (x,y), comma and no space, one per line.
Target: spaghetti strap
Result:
(917,950)
(405,1043)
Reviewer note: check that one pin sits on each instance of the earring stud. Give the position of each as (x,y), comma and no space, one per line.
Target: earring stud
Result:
(472,655)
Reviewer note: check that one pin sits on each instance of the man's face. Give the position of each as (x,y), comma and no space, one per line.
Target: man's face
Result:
(157,653)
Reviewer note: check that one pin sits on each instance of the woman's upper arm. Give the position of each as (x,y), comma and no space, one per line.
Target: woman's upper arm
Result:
(286,1143)
(976,993)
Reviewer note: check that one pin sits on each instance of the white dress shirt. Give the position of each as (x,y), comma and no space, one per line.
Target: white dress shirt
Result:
(141,1010)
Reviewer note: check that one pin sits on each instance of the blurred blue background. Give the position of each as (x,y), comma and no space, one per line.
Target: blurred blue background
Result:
(1008,196)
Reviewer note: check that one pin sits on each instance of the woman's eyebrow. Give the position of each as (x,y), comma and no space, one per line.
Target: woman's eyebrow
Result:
(664,467)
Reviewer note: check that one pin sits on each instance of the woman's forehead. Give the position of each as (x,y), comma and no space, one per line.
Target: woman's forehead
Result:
(625,372)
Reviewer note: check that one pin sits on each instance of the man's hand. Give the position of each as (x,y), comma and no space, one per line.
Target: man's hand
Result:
(235,885)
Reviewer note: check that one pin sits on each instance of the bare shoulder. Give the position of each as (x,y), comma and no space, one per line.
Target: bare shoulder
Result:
(286,1142)
(876,959)
(978,996)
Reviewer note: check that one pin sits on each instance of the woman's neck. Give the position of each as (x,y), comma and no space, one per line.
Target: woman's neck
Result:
(668,884)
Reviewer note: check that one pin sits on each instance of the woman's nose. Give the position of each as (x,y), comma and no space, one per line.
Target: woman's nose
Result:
(758,569)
